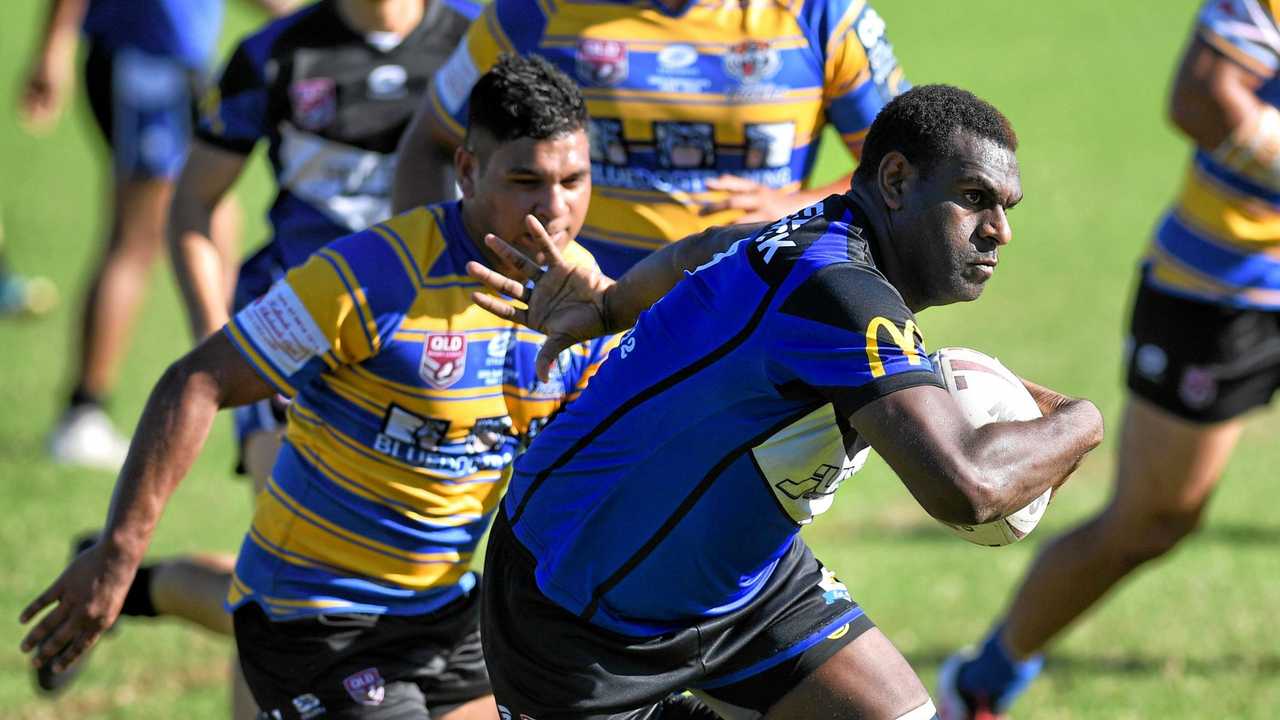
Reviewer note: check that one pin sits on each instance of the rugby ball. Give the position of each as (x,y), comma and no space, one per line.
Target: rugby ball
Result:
(987,392)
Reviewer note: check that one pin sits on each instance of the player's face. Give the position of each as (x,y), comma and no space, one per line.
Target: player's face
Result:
(549,179)
(955,221)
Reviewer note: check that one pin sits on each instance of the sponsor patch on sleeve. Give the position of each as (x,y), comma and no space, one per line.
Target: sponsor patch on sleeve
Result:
(282,329)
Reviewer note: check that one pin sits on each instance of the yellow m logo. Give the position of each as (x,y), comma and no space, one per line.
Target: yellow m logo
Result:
(905,339)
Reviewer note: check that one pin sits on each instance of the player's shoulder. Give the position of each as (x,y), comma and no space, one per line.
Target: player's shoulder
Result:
(829,231)
(832,19)
(283,32)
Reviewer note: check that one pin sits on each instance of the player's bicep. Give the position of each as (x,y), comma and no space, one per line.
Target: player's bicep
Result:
(1212,95)
(862,73)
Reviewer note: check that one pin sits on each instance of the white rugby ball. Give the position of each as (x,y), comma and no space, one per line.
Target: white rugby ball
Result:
(987,392)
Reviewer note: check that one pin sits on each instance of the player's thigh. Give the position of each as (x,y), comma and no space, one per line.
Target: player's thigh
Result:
(1168,465)
(868,678)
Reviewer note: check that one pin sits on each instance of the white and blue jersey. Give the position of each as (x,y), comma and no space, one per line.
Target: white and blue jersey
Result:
(667,493)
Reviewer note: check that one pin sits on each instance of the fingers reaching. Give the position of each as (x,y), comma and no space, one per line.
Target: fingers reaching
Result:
(42,601)
(525,266)
(500,308)
(497,282)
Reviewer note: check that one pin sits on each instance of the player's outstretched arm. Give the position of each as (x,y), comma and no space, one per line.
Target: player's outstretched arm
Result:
(87,596)
(965,475)
(199,262)
(571,303)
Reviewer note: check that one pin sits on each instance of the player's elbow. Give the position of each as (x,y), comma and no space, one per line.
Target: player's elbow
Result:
(967,497)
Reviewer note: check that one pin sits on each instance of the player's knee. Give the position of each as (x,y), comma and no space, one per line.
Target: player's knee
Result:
(1158,534)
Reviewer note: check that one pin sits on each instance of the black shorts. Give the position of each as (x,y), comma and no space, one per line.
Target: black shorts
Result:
(1201,361)
(547,662)
(386,667)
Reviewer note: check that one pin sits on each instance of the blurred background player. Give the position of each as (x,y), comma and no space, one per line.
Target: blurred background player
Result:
(1203,349)
(330,88)
(144,63)
(702,113)
(409,404)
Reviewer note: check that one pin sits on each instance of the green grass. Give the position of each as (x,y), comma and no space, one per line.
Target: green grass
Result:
(1084,84)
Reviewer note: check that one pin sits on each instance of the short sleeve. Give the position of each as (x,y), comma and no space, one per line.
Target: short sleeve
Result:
(505,26)
(861,73)
(233,113)
(846,334)
(333,310)
(1243,30)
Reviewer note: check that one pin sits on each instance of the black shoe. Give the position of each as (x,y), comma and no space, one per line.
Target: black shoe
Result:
(50,681)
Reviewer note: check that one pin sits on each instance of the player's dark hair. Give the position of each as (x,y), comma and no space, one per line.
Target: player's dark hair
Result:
(922,122)
(525,97)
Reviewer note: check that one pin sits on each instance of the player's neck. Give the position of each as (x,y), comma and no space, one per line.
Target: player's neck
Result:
(888,262)
(398,17)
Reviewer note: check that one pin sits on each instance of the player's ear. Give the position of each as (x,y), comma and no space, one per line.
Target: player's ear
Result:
(893,177)
(466,166)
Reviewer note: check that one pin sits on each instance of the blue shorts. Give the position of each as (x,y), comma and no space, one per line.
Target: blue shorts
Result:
(144,105)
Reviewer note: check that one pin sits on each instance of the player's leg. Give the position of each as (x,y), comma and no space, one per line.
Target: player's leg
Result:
(1196,368)
(145,116)
(868,678)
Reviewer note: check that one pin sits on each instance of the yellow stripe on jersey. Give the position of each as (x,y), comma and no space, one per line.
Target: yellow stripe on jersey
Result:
(1230,218)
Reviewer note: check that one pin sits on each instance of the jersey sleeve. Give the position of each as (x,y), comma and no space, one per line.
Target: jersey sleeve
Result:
(505,26)
(233,113)
(335,309)
(1243,30)
(861,72)
(846,334)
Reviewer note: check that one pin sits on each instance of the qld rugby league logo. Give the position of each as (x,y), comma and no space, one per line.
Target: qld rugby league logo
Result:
(315,102)
(366,687)
(444,359)
(601,62)
(752,61)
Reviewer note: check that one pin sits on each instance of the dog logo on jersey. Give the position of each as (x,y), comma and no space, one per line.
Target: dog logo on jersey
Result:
(366,687)
(444,358)
(752,61)
(685,145)
(769,145)
(315,102)
(601,62)
(607,144)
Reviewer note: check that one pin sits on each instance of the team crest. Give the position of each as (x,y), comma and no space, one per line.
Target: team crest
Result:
(315,102)
(601,62)
(752,61)
(444,359)
(366,687)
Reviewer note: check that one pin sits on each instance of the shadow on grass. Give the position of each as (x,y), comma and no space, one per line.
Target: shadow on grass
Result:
(1134,665)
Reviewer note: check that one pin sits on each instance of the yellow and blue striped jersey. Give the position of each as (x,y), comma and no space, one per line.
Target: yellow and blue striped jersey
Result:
(740,87)
(409,405)
(1221,240)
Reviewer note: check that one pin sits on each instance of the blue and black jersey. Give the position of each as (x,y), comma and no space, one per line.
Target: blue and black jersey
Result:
(332,104)
(717,428)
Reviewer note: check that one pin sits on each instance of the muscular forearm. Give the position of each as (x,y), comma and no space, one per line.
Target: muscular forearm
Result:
(651,278)
(169,436)
(1017,462)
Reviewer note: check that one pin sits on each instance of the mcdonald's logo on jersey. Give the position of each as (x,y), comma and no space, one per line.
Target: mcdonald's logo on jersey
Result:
(904,338)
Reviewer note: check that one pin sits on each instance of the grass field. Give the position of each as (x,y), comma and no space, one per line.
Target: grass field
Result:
(1084,83)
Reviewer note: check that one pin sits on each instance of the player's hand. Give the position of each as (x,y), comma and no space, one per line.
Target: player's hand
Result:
(759,203)
(43,94)
(1049,401)
(86,600)
(565,302)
